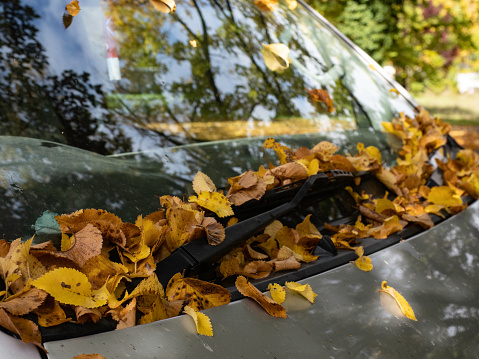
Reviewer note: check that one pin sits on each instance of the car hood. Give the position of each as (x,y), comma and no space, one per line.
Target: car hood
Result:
(436,271)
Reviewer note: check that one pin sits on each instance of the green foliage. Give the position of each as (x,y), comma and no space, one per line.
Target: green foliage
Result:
(419,38)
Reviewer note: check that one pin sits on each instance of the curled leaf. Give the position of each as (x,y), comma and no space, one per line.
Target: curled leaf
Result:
(400,300)
(363,262)
(304,289)
(215,202)
(319,95)
(250,291)
(165,6)
(276,56)
(203,323)
(266,5)
(277,292)
(73,8)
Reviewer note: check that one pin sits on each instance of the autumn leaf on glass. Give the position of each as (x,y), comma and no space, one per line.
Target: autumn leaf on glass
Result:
(266,5)
(203,323)
(319,95)
(400,300)
(72,9)
(276,56)
(165,6)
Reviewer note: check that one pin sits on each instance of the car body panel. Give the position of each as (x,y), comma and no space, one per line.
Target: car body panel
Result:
(433,271)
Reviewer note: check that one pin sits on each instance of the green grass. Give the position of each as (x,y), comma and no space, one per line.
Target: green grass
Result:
(453,108)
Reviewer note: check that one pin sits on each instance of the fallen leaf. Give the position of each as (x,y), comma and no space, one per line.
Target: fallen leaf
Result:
(202,183)
(196,293)
(304,289)
(89,356)
(266,5)
(276,56)
(73,8)
(401,302)
(319,95)
(277,292)
(215,232)
(165,6)
(215,202)
(203,323)
(24,303)
(250,291)
(363,262)
(26,329)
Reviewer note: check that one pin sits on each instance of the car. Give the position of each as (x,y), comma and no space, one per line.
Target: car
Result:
(108,106)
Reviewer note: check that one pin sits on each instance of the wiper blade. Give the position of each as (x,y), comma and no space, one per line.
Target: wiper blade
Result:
(200,252)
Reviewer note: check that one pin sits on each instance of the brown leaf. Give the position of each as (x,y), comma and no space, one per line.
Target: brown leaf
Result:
(50,313)
(24,303)
(268,304)
(85,315)
(89,356)
(26,329)
(320,95)
(289,172)
(258,269)
(215,232)
(87,243)
(290,263)
(107,223)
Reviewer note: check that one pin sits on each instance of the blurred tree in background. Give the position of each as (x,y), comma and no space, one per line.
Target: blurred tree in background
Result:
(427,41)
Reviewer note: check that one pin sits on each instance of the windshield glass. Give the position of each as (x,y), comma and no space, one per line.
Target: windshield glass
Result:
(166,95)
(124,77)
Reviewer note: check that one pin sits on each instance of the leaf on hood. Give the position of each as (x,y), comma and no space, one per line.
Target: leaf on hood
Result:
(203,323)
(196,293)
(165,6)
(319,95)
(202,183)
(70,286)
(276,56)
(277,292)
(268,304)
(304,289)
(400,300)
(391,225)
(215,202)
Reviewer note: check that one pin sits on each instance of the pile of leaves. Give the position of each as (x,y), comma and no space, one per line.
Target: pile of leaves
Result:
(86,279)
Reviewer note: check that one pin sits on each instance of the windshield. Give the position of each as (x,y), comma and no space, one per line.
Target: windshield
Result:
(165,95)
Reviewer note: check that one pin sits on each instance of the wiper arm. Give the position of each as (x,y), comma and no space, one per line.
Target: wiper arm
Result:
(199,252)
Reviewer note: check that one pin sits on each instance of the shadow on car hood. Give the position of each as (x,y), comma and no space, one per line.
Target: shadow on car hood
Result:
(436,271)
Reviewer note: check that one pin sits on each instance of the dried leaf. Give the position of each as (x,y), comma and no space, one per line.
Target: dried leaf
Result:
(304,289)
(70,286)
(401,302)
(26,329)
(250,291)
(89,356)
(86,244)
(196,293)
(276,56)
(215,232)
(50,313)
(24,303)
(444,196)
(73,8)
(363,262)
(258,269)
(165,6)
(203,323)
(215,202)
(277,292)
(320,95)
(202,183)
(266,5)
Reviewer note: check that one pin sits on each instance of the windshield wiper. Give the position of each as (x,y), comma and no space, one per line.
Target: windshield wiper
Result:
(199,252)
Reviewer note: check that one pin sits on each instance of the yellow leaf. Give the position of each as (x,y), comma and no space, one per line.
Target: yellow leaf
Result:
(203,323)
(277,292)
(215,202)
(304,289)
(166,6)
(73,8)
(363,262)
(197,293)
(276,56)
(69,286)
(444,196)
(202,183)
(401,302)
(292,4)
(193,43)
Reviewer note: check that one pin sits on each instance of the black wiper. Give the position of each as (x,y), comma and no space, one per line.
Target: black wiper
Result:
(199,252)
